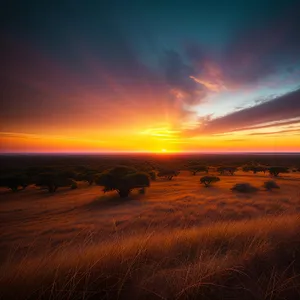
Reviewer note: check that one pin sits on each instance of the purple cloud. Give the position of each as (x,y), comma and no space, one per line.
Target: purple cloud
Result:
(279,109)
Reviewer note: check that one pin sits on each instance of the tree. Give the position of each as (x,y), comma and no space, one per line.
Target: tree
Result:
(261,169)
(223,170)
(247,168)
(122,179)
(88,176)
(67,174)
(52,182)
(168,174)
(270,185)
(13,182)
(275,171)
(208,180)
(197,168)
(255,169)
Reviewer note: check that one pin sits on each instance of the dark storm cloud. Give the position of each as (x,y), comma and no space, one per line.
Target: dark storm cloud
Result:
(281,108)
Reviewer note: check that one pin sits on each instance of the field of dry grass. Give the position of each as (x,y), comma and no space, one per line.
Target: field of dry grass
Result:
(178,241)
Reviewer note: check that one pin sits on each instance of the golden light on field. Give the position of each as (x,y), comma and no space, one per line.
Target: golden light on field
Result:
(163,150)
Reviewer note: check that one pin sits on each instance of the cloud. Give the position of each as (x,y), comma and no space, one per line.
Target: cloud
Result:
(261,51)
(235,140)
(297,131)
(80,67)
(277,110)
(178,77)
(274,124)
(40,87)
(254,53)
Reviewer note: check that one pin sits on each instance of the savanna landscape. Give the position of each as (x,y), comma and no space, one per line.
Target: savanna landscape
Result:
(175,238)
(150,150)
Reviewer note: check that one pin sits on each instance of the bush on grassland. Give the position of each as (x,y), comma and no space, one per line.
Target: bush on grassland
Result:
(244,188)
(270,185)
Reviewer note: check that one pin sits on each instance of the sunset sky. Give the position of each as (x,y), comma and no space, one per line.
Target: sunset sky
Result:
(150,76)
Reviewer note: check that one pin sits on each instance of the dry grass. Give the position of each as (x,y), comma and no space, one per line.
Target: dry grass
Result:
(256,259)
(179,241)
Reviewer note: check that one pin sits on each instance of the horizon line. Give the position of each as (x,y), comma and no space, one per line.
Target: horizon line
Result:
(148,153)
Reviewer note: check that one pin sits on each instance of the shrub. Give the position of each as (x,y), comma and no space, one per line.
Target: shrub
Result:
(122,179)
(168,174)
(208,180)
(223,170)
(244,188)
(270,185)
(275,171)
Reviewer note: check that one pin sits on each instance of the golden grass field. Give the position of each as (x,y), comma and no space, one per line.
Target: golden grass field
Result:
(178,241)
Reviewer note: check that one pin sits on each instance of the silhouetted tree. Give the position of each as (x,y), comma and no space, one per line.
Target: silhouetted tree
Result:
(67,174)
(122,179)
(255,169)
(14,182)
(208,180)
(275,171)
(88,176)
(168,174)
(52,182)
(195,169)
(230,170)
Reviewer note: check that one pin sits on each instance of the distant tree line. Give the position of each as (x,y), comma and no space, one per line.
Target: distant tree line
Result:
(134,174)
